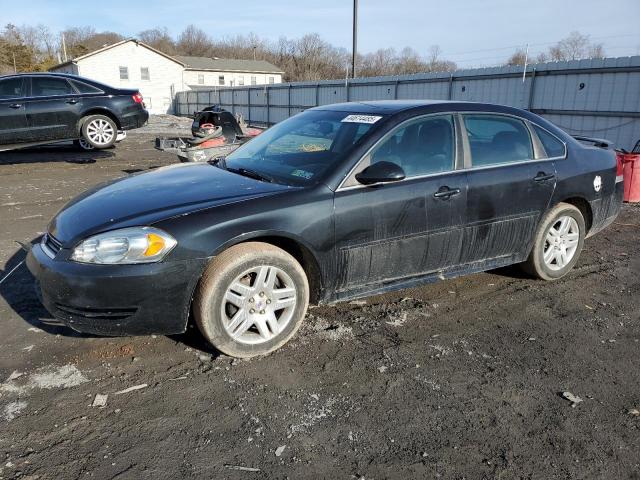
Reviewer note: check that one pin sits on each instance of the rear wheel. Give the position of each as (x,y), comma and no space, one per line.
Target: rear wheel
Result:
(558,243)
(99,131)
(251,299)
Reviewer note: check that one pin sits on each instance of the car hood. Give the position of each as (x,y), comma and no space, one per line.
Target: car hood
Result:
(146,198)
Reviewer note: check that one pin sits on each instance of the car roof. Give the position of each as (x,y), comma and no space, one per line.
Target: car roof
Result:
(390,107)
(41,74)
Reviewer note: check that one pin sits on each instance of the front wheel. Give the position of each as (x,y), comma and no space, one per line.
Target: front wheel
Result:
(251,299)
(82,144)
(99,131)
(558,243)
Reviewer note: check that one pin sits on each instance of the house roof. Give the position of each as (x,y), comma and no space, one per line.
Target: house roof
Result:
(227,64)
(113,45)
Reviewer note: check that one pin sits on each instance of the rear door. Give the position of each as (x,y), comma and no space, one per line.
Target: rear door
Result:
(394,231)
(13,119)
(53,108)
(510,184)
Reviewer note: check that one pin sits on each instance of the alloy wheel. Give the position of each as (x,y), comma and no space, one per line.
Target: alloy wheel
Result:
(258,305)
(561,243)
(100,131)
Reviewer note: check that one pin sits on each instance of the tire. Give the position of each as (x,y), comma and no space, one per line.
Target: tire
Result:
(82,144)
(99,131)
(555,253)
(228,306)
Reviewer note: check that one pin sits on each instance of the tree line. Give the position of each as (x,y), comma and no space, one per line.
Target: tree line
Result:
(30,48)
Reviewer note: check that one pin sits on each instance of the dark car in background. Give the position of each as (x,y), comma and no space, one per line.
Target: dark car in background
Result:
(41,108)
(338,202)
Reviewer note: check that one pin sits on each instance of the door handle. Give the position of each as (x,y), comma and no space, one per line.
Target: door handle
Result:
(446,192)
(72,101)
(15,105)
(543,177)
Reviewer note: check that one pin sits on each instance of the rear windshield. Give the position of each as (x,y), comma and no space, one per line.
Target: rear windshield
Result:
(299,150)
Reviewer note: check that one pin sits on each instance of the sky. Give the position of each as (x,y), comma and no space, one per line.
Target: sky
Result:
(469,32)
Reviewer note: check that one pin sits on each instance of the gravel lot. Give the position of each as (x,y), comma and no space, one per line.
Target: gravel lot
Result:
(460,379)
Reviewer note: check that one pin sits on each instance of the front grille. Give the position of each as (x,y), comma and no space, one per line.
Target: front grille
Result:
(95,313)
(50,245)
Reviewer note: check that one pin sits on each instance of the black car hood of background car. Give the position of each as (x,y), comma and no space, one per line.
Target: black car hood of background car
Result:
(146,198)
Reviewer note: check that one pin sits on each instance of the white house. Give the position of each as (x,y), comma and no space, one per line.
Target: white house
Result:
(132,64)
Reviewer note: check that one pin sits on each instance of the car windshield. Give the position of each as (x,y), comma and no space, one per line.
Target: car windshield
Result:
(299,150)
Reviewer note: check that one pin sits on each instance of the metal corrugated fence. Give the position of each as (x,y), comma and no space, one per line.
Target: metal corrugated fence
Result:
(596,97)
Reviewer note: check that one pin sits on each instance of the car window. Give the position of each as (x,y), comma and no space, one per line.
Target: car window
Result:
(421,147)
(85,88)
(495,140)
(311,137)
(12,88)
(48,86)
(297,151)
(552,145)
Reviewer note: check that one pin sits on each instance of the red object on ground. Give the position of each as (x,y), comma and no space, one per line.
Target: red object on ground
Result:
(631,169)
(253,132)
(214,142)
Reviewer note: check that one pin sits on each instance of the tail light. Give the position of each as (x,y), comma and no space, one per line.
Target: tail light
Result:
(620,164)
(137,97)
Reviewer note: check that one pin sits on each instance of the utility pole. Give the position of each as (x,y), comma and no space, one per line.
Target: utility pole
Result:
(526,59)
(64,47)
(355,39)
(15,69)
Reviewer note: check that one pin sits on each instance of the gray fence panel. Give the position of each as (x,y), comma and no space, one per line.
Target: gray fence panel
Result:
(599,97)
(434,90)
(332,94)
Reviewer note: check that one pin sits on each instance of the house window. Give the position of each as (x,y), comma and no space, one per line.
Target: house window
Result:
(241,81)
(271,80)
(144,73)
(221,80)
(124,73)
(253,80)
(200,79)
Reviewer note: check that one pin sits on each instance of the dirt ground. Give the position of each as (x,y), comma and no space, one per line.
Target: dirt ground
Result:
(462,379)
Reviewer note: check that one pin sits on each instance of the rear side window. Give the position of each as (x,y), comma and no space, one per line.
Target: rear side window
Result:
(49,86)
(553,147)
(12,88)
(85,88)
(422,147)
(496,140)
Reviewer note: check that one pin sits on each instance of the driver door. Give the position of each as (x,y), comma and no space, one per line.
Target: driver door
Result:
(388,232)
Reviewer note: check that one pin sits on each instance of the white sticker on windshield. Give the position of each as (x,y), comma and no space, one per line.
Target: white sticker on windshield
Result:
(361,119)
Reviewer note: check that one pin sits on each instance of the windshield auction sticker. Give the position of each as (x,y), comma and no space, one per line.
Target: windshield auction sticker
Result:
(361,119)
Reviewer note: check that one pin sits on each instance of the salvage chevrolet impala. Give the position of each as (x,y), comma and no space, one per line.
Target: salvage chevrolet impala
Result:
(338,202)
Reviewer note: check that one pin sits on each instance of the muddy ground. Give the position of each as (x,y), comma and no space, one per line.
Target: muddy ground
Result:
(460,379)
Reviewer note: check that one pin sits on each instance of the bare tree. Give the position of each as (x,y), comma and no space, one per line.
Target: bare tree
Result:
(194,41)
(82,40)
(518,57)
(575,47)
(435,63)
(158,38)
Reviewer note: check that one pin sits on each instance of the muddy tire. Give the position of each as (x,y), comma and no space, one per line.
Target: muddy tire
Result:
(558,243)
(99,131)
(251,299)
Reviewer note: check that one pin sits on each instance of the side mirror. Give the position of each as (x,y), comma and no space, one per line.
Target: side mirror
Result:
(380,172)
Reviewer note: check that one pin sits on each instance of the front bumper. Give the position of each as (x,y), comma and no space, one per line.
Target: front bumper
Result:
(116,299)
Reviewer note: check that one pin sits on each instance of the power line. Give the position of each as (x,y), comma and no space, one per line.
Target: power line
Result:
(541,44)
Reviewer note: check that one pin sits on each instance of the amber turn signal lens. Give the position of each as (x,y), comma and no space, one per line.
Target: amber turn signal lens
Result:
(155,245)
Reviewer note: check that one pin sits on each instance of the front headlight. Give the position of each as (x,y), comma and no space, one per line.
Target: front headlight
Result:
(129,245)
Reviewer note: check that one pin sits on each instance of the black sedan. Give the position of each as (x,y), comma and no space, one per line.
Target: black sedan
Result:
(42,108)
(338,202)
